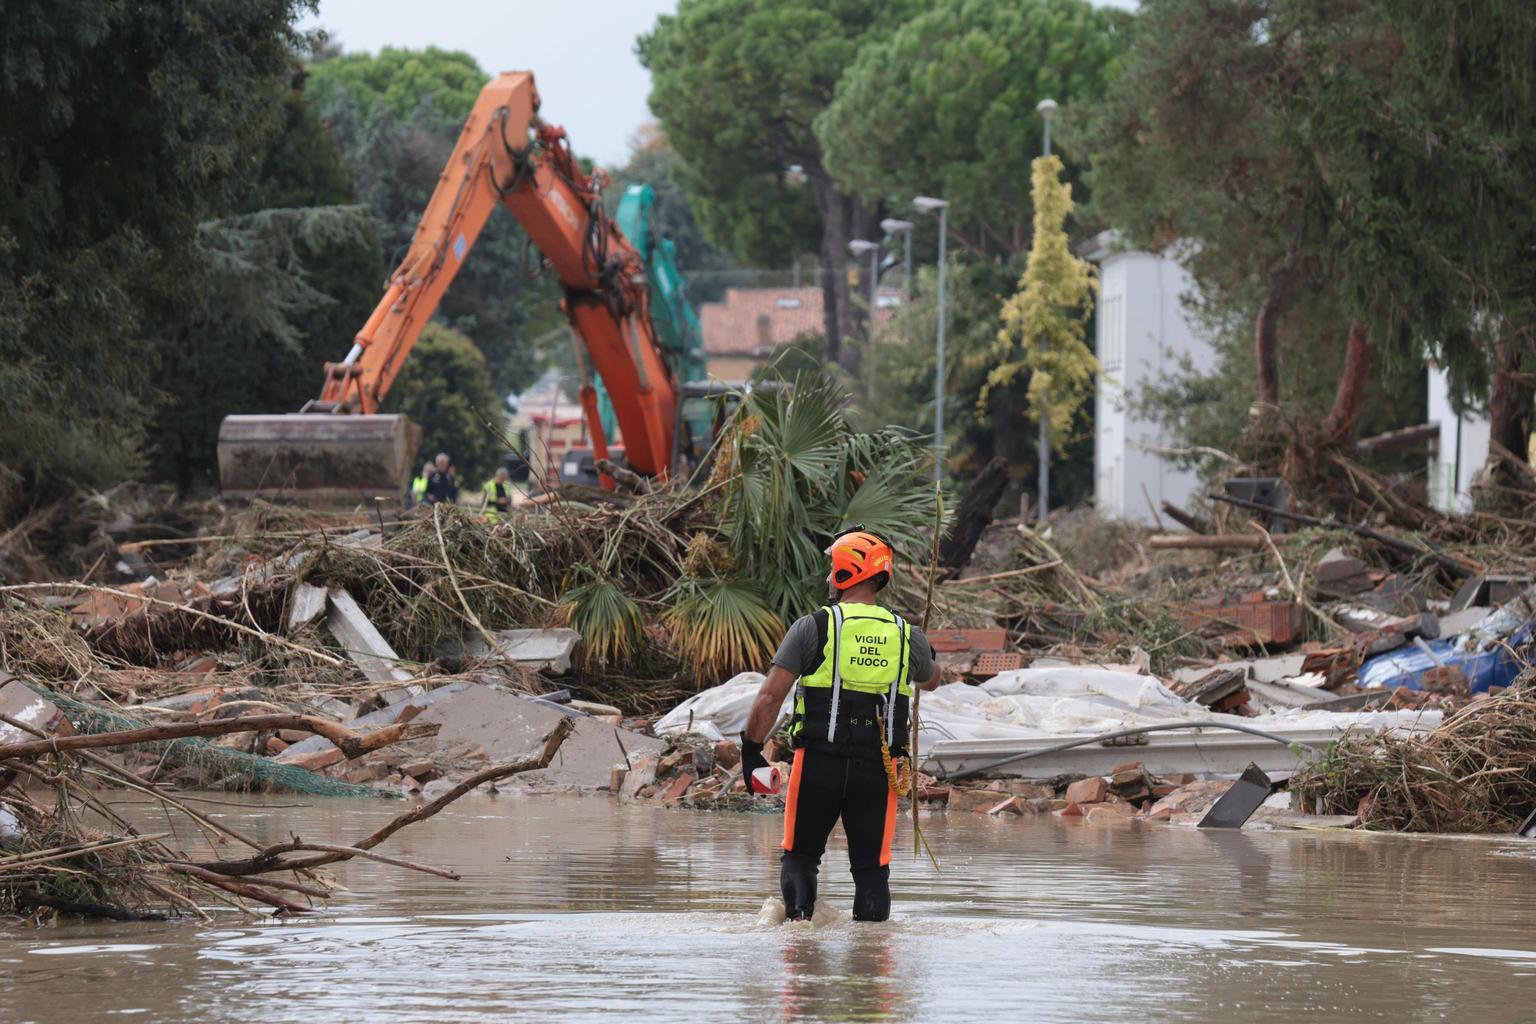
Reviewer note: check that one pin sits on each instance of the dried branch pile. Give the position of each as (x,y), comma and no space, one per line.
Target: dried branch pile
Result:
(1475,773)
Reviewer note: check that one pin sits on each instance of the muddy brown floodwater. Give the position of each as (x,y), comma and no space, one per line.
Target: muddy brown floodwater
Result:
(580,909)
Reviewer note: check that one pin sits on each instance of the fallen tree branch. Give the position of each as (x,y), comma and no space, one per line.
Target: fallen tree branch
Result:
(181,867)
(35,898)
(239,888)
(1452,565)
(351,744)
(1205,542)
(1188,520)
(626,478)
(269,859)
(1010,574)
(126,778)
(253,865)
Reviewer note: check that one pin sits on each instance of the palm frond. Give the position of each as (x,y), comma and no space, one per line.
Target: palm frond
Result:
(802,475)
(610,623)
(720,627)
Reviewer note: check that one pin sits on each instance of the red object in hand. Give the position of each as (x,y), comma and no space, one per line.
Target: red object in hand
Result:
(765,780)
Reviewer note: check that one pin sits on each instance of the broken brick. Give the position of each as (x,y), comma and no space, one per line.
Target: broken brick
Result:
(1116,811)
(1008,806)
(319,759)
(677,787)
(1091,790)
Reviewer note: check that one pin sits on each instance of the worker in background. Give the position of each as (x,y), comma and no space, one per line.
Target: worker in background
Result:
(441,485)
(417,495)
(498,496)
(853,665)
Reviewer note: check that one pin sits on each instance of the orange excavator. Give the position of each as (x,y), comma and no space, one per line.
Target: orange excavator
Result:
(340,447)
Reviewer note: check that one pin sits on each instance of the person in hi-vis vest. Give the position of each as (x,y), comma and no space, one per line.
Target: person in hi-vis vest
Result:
(496,499)
(417,495)
(853,665)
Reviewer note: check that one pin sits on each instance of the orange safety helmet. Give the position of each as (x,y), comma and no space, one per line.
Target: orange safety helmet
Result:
(858,556)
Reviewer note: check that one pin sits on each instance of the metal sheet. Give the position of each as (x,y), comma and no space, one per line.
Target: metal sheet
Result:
(1183,750)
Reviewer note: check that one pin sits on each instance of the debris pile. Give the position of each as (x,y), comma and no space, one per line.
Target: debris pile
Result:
(1089,669)
(692,772)
(1128,792)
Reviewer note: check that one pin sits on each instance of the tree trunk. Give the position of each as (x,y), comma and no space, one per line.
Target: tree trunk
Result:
(974,515)
(1266,329)
(837,316)
(1509,406)
(1350,396)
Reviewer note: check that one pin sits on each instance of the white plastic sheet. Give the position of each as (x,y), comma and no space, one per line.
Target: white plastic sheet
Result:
(720,712)
(1058,701)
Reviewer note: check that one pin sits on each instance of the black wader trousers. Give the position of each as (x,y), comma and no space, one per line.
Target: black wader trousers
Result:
(825,785)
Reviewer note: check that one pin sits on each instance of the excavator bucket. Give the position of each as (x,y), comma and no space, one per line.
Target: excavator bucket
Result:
(317,458)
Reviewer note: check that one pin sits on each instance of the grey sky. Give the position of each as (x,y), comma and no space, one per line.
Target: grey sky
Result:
(582,53)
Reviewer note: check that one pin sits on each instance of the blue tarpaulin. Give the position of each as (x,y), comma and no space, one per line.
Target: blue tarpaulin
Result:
(1406,666)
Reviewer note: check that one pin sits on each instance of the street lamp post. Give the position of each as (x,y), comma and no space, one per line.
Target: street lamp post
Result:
(1047,109)
(928,204)
(864,247)
(894,226)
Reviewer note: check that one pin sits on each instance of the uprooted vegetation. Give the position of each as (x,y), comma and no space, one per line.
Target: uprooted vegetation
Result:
(1475,773)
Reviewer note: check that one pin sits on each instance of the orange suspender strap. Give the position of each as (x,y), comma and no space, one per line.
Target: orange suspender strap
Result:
(890,826)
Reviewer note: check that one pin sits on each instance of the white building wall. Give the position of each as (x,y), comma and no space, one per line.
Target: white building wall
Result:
(1462,450)
(1142,332)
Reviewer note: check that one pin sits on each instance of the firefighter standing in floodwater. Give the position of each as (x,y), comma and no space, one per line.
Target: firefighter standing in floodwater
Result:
(853,664)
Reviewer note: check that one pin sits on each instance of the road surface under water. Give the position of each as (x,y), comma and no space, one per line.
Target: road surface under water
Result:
(581,909)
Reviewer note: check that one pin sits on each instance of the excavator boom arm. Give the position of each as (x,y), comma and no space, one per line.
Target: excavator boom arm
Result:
(505,157)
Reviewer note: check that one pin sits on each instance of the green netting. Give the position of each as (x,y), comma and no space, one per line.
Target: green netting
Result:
(230,768)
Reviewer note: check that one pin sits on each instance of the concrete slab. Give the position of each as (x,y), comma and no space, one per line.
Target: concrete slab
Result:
(543,650)
(306,604)
(19,702)
(403,710)
(508,725)
(362,641)
(1288,695)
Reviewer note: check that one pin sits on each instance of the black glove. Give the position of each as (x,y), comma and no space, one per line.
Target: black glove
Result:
(751,760)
